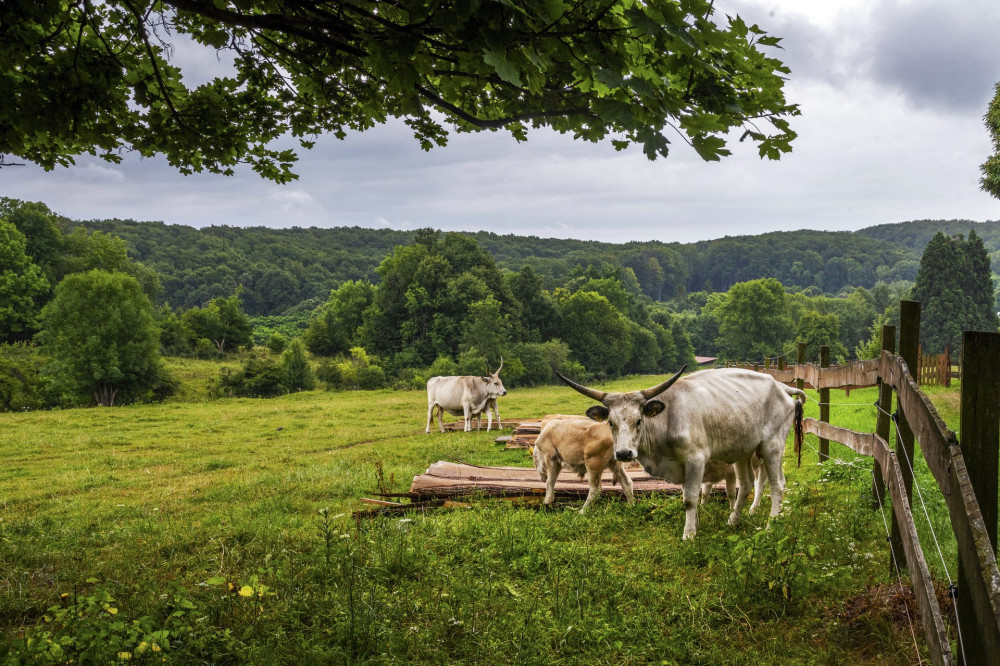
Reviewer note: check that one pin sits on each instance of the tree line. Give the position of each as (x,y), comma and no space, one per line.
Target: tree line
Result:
(83,321)
(284,271)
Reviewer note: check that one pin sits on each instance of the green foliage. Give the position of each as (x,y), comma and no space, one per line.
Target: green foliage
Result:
(41,229)
(22,285)
(753,320)
(103,80)
(259,377)
(333,328)
(298,374)
(84,251)
(276,343)
(22,385)
(955,289)
(358,371)
(816,329)
(596,332)
(100,333)
(87,626)
(222,322)
(990,182)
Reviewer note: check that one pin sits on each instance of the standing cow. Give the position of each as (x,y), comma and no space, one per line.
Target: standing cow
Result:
(724,415)
(465,396)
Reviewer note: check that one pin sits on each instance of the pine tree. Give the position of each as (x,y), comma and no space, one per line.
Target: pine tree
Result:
(955,288)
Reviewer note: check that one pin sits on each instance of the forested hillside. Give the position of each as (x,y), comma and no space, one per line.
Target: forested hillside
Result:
(278,269)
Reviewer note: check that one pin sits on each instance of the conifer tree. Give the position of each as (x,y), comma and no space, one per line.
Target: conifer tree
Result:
(955,288)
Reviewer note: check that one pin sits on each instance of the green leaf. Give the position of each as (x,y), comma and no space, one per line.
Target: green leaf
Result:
(505,69)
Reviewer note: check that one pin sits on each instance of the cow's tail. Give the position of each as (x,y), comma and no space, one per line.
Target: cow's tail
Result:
(796,393)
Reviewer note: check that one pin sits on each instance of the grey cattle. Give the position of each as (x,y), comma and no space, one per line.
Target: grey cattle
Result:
(724,415)
(582,446)
(465,396)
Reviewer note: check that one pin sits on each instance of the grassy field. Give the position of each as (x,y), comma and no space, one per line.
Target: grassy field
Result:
(221,532)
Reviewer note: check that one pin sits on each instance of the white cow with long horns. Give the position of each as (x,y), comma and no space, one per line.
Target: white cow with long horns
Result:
(724,415)
(465,396)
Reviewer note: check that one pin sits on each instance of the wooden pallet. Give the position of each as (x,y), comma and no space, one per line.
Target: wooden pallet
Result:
(443,479)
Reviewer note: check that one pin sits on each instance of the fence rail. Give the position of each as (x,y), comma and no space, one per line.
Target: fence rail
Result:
(947,462)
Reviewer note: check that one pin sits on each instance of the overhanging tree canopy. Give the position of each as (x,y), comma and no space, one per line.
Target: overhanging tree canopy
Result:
(80,76)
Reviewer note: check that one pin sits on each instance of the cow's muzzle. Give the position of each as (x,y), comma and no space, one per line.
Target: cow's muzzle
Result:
(625,455)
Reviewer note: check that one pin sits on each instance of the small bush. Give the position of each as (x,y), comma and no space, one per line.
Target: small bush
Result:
(277,342)
(258,378)
(298,374)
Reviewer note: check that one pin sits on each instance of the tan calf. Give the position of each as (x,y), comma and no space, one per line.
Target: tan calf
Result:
(583,446)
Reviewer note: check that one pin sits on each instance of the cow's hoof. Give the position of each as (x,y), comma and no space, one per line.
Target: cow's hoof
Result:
(734,519)
(688,535)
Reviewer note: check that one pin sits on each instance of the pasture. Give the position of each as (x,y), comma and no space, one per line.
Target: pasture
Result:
(221,532)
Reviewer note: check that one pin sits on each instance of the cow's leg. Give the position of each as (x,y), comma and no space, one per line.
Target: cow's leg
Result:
(731,486)
(706,490)
(775,475)
(467,411)
(553,467)
(619,474)
(489,418)
(441,418)
(694,472)
(594,477)
(430,416)
(759,478)
(744,474)
(496,412)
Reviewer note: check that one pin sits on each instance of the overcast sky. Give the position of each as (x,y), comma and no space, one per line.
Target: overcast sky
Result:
(892,95)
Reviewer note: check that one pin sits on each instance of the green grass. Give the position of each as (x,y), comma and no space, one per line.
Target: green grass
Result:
(166,512)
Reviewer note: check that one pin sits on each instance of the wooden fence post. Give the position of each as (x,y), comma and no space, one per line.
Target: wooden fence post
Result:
(946,368)
(980,439)
(909,349)
(824,403)
(882,419)
(800,359)
(782,362)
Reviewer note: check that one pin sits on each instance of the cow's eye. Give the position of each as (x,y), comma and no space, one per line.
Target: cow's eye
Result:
(638,424)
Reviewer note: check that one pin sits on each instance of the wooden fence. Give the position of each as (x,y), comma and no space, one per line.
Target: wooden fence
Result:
(969,487)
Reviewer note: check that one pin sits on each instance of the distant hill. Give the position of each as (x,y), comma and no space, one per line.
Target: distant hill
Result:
(284,269)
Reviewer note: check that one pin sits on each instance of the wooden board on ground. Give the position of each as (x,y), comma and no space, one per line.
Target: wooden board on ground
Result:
(451,426)
(525,434)
(447,478)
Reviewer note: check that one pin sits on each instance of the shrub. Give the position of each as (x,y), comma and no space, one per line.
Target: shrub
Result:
(22,387)
(258,378)
(277,342)
(298,374)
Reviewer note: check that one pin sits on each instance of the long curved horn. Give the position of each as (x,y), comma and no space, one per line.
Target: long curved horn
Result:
(487,362)
(660,388)
(501,365)
(589,392)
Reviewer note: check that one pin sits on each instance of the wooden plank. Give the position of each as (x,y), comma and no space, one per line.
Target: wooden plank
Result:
(980,428)
(934,436)
(824,402)
(854,375)
(976,553)
(863,443)
(882,420)
(923,586)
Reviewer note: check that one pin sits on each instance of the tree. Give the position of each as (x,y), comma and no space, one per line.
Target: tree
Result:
(990,181)
(816,329)
(222,322)
(955,288)
(299,375)
(102,79)
(40,226)
(101,336)
(597,333)
(753,320)
(333,329)
(487,329)
(22,285)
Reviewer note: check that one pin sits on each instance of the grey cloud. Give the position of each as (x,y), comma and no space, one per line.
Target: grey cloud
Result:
(939,57)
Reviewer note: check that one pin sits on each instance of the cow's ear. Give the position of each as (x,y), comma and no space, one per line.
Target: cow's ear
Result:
(485,379)
(598,413)
(652,408)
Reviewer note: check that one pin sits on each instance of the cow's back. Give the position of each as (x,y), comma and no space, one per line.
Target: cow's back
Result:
(729,407)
